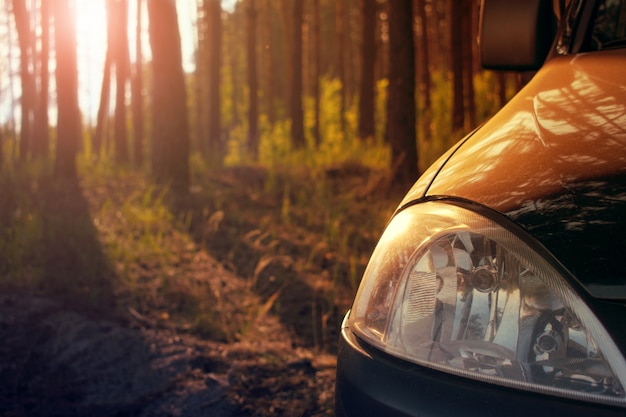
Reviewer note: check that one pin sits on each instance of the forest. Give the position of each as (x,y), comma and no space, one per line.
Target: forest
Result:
(208,178)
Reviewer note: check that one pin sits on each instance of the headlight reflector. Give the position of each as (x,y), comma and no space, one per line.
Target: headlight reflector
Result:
(456,291)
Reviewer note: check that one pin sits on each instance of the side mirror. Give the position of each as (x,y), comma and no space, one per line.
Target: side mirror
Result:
(515,35)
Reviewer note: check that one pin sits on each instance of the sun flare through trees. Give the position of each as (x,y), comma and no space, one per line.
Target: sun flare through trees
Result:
(242,86)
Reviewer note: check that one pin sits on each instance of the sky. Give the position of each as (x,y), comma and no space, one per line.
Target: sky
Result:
(91,44)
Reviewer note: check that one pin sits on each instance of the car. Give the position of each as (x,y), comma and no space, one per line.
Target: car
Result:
(498,287)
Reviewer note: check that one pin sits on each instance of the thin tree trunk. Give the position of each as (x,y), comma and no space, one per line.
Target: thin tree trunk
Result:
(27,102)
(287,12)
(367,126)
(270,66)
(352,59)
(42,136)
(216,145)
(468,64)
(456,59)
(12,99)
(200,95)
(1,142)
(317,50)
(401,116)
(253,110)
(118,24)
(137,92)
(68,119)
(441,39)
(101,117)
(234,98)
(297,123)
(341,61)
(382,41)
(306,51)
(424,68)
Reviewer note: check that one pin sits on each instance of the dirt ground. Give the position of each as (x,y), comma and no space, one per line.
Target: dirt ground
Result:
(281,291)
(58,362)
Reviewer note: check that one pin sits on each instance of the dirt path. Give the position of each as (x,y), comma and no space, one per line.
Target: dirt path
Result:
(232,312)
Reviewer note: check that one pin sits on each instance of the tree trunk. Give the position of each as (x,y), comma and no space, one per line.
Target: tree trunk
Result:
(1,142)
(439,20)
(234,97)
(297,123)
(401,118)
(253,106)
(27,102)
(317,51)
(101,117)
(382,41)
(367,126)
(200,93)
(68,118)
(118,35)
(287,9)
(170,132)
(137,92)
(41,137)
(352,56)
(424,68)
(456,59)
(341,64)
(12,99)
(467,57)
(270,66)
(215,145)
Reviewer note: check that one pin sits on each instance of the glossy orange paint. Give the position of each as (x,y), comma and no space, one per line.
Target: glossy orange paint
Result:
(572,114)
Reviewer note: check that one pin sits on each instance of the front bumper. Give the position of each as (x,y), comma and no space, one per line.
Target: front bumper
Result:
(372,383)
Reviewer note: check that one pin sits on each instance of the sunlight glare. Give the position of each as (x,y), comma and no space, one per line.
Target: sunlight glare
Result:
(91,38)
(91,34)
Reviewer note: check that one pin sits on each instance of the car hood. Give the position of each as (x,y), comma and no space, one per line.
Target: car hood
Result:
(554,161)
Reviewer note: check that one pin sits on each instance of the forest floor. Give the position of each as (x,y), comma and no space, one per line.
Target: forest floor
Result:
(120,300)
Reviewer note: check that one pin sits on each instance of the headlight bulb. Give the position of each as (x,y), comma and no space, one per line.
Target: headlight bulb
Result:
(484,278)
(548,342)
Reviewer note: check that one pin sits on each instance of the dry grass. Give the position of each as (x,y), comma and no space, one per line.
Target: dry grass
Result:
(298,239)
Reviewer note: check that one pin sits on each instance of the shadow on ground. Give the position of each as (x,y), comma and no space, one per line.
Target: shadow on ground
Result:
(66,350)
(69,349)
(298,277)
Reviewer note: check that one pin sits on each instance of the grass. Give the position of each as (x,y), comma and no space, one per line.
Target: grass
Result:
(298,237)
(302,236)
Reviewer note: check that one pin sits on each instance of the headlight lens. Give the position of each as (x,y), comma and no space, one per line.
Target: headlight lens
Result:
(452,290)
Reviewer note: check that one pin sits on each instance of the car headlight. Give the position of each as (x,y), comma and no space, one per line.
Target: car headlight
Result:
(454,290)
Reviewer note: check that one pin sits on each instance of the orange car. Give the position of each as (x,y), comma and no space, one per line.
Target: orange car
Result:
(498,287)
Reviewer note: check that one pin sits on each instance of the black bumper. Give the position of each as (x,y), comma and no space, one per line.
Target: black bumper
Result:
(372,383)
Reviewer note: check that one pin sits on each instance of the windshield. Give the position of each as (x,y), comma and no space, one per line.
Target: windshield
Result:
(609,26)
(593,26)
